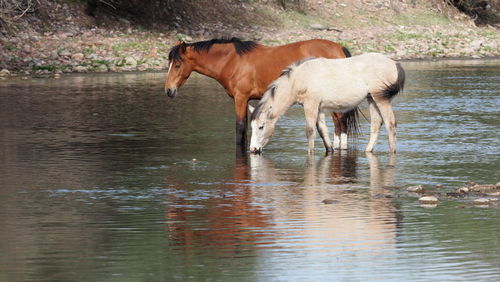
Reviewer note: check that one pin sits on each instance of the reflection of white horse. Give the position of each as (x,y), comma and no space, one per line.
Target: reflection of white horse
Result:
(324,85)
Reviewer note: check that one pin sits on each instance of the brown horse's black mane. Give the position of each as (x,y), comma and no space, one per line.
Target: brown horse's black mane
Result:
(241,47)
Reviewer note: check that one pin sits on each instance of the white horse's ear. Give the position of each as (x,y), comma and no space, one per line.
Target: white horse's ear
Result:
(251,109)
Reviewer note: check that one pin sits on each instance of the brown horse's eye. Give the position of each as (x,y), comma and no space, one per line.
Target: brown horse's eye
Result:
(177,66)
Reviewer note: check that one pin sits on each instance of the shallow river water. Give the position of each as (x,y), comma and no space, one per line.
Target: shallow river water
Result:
(103,178)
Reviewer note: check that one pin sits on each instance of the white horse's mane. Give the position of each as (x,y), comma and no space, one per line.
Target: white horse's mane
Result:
(268,96)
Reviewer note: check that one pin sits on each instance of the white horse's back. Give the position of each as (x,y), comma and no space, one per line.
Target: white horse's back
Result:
(342,84)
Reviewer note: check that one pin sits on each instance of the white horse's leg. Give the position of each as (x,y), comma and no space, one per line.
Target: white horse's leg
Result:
(323,132)
(375,124)
(389,121)
(311,113)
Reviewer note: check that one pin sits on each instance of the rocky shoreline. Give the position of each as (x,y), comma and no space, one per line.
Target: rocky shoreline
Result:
(76,47)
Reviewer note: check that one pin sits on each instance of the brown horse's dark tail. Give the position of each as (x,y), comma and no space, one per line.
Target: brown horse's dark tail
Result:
(346,52)
(351,119)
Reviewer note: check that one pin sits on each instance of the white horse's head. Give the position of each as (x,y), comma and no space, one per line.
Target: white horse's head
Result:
(262,127)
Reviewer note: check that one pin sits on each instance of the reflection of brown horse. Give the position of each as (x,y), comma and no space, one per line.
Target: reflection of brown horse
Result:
(223,221)
(245,69)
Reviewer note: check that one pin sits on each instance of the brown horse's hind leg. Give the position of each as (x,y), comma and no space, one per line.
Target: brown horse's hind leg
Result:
(338,129)
(240,105)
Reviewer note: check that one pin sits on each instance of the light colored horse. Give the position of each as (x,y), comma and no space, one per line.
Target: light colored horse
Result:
(325,85)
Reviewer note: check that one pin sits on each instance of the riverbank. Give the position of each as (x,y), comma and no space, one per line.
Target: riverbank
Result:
(76,42)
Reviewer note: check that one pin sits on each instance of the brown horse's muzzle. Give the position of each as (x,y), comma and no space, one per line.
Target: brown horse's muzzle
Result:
(171,92)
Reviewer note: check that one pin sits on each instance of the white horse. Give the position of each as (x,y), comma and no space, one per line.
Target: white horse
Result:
(325,85)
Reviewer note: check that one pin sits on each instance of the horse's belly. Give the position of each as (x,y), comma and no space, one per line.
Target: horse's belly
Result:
(340,102)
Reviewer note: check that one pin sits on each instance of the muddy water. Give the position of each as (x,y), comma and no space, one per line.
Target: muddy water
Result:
(103,178)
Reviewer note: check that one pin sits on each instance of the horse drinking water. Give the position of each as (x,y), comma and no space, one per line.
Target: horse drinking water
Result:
(323,85)
(245,69)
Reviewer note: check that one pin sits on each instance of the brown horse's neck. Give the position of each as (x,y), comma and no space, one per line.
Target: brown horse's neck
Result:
(212,63)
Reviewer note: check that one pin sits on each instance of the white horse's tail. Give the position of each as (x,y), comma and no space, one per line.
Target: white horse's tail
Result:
(393,89)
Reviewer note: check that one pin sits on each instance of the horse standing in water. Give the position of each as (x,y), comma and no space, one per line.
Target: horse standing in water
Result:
(323,85)
(245,69)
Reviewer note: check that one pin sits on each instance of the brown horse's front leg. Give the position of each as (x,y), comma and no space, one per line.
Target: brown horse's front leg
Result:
(240,105)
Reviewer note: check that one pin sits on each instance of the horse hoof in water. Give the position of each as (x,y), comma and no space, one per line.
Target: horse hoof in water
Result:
(256,151)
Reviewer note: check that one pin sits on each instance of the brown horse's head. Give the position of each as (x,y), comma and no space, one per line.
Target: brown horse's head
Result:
(180,67)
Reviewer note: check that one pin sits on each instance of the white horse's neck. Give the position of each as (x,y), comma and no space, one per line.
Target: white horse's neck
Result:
(284,98)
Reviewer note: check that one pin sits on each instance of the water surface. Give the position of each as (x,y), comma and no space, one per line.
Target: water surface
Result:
(103,178)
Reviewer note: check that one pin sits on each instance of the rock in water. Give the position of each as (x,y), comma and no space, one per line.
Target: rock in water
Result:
(481,201)
(415,189)
(328,201)
(428,200)
(4,72)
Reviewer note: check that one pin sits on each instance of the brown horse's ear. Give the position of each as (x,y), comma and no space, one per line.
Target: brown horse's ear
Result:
(183,46)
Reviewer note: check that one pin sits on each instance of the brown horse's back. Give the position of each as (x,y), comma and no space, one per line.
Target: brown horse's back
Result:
(268,62)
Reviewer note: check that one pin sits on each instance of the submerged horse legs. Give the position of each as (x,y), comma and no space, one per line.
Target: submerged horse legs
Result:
(340,133)
(323,132)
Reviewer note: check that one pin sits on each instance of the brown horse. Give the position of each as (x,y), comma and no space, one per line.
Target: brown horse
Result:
(246,68)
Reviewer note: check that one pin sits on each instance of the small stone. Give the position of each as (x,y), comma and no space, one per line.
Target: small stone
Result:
(80,69)
(64,53)
(57,75)
(463,190)
(153,53)
(428,200)
(481,201)
(77,56)
(101,68)
(329,201)
(483,188)
(317,26)
(439,186)
(476,44)
(130,61)
(27,49)
(54,55)
(415,189)
(4,72)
